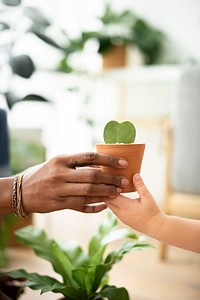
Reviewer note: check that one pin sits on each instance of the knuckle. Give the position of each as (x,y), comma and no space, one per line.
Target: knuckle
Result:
(55,161)
(89,156)
(116,180)
(93,176)
(87,189)
(113,160)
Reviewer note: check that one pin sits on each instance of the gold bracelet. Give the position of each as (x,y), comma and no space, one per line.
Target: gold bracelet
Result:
(17,197)
(20,208)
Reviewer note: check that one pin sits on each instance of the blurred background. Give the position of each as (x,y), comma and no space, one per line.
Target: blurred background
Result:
(66,69)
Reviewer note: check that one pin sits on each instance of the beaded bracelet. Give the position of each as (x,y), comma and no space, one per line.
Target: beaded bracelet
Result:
(17,197)
(14,196)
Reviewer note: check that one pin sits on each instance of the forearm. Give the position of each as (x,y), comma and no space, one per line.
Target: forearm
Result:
(179,232)
(6,185)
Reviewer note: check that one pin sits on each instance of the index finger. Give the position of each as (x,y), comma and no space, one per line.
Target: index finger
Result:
(93,158)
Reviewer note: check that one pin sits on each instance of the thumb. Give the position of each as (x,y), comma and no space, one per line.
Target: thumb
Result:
(140,186)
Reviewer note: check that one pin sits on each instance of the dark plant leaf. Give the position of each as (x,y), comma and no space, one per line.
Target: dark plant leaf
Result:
(22,65)
(11,2)
(37,17)
(34,97)
(4,26)
(11,99)
(105,44)
(47,39)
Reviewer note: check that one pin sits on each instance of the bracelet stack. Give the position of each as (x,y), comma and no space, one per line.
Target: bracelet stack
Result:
(17,197)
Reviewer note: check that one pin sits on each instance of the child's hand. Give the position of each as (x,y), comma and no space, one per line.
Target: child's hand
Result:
(139,213)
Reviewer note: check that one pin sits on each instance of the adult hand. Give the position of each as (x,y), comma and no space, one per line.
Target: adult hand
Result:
(64,182)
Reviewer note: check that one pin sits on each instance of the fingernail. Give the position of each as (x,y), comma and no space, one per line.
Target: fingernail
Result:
(137,177)
(119,190)
(124,182)
(123,163)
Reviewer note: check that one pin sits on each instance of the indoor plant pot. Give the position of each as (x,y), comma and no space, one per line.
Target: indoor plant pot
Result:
(119,140)
(133,153)
(114,57)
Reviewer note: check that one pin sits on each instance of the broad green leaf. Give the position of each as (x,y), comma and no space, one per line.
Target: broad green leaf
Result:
(85,278)
(114,293)
(43,246)
(79,277)
(36,281)
(117,235)
(105,239)
(106,226)
(115,132)
(116,255)
(74,252)
(46,284)
(100,273)
(65,266)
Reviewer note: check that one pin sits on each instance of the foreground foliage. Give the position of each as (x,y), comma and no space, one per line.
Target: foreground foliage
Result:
(83,276)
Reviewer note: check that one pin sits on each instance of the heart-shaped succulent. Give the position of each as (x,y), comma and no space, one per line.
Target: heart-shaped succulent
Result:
(115,132)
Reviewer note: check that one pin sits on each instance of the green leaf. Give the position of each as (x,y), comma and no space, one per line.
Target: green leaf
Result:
(115,132)
(114,293)
(119,234)
(45,248)
(105,228)
(100,272)
(34,97)
(117,255)
(36,281)
(65,266)
(45,284)
(74,252)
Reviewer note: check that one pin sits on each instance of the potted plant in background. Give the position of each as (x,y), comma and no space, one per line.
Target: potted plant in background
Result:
(119,141)
(84,276)
(121,29)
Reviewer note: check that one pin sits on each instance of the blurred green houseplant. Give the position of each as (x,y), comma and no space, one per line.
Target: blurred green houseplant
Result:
(29,21)
(115,28)
(83,276)
(126,28)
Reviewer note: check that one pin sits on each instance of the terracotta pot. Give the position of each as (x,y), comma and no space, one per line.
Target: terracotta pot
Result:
(115,57)
(133,153)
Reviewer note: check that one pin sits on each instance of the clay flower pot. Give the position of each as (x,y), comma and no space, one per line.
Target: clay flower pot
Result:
(133,153)
(115,57)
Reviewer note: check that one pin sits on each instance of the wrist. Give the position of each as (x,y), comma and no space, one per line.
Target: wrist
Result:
(155,226)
